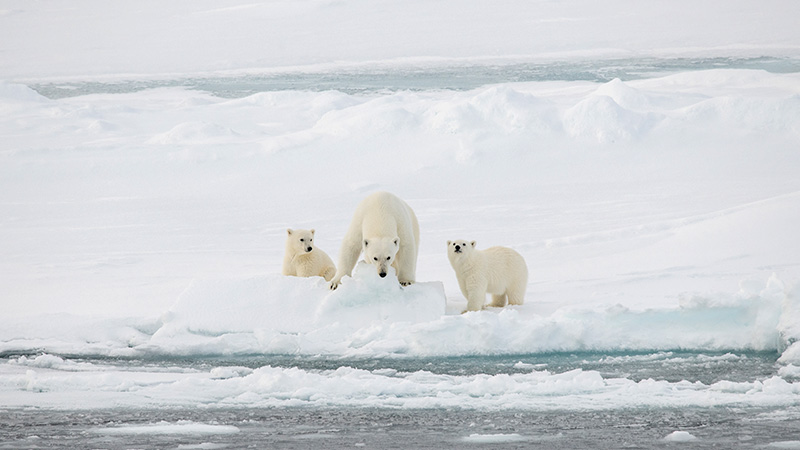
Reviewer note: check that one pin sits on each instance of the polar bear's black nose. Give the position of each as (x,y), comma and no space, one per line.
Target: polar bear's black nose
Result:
(382,274)
(309,249)
(458,248)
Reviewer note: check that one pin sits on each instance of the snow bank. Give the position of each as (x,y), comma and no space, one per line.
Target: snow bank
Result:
(370,317)
(374,317)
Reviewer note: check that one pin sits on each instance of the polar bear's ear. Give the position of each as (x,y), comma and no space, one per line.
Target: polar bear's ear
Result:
(396,242)
(473,243)
(366,242)
(312,231)
(449,242)
(289,231)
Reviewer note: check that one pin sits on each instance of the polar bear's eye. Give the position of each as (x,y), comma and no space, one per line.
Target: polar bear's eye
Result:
(388,258)
(375,258)
(302,240)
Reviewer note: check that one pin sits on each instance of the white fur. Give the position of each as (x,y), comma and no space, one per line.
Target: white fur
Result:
(303,259)
(385,229)
(499,271)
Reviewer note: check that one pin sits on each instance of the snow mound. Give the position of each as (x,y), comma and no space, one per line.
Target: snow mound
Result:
(625,95)
(366,298)
(600,117)
(278,314)
(191,133)
(497,109)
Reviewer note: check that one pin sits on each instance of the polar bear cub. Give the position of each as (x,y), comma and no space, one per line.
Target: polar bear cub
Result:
(303,259)
(386,230)
(499,271)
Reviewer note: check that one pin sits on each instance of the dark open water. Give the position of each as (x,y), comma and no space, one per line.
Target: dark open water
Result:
(303,428)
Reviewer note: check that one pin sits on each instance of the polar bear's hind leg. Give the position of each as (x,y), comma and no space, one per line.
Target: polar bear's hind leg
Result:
(516,296)
(498,301)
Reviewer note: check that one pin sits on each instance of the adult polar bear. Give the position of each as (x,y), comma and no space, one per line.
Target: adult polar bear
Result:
(385,228)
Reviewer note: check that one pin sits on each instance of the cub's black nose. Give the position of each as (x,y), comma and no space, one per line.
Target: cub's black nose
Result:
(309,249)
(382,274)
(458,248)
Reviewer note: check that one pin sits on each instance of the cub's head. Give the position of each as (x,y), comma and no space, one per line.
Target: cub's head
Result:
(300,241)
(381,253)
(459,249)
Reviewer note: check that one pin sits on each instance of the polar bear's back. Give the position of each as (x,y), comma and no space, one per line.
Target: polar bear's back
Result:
(385,214)
(505,264)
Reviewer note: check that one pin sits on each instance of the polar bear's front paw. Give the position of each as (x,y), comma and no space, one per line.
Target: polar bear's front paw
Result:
(334,285)
(406,283)
(481,308)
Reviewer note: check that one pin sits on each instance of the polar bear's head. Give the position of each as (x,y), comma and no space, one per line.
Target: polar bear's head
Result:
(381,253)
(459,249)
(300,241)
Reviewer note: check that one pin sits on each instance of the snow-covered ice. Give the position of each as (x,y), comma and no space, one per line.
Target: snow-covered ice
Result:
(677,235)
(144,202)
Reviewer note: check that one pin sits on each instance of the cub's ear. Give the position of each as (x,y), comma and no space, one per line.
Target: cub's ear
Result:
(312,231)
(366,242)
(472,243)
(396,242)
(289,231)
(449,242)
